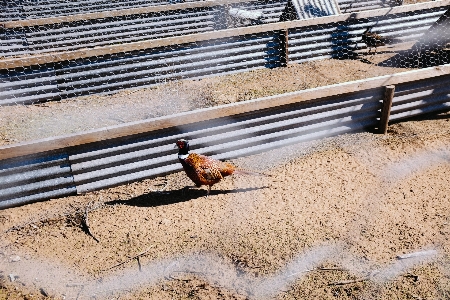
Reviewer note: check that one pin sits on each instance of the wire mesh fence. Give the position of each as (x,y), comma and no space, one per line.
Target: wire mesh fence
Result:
(56,49)
(70,50)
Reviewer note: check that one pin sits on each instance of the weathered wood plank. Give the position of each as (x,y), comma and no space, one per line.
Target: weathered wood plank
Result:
(386,110)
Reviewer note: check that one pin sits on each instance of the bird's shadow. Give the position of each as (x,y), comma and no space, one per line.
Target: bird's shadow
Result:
(154,199)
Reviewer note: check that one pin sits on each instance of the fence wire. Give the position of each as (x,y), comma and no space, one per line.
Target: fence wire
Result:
(52,50)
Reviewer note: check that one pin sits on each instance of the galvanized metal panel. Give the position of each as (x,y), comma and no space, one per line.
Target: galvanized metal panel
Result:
(31,9)
(13,42)
(10,10)
(341,39)
(124,29)
(117,162)
(420,97)
(34,178)
(28,85)
(349,6)
(145,68)
(271,9)
(307,9)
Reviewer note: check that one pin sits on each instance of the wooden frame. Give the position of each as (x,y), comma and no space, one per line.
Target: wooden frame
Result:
(315,94)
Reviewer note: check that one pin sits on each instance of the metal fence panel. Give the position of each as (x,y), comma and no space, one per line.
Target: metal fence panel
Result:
(13,42)
(28,85)
(113,163)
(271,9)
(349,6)
(123,29)
(35,178)
(29,9)
(421,97)
(144,68)
(341,39)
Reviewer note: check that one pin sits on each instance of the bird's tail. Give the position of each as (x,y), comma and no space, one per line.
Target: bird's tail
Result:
(247,172)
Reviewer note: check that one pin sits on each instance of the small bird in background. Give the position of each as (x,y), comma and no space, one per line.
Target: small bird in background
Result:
(373,40)
(204,170)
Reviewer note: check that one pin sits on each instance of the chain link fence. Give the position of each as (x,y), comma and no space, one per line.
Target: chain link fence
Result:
(53,50)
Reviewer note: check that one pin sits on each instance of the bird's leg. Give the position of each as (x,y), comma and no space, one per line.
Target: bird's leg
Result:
(209,190)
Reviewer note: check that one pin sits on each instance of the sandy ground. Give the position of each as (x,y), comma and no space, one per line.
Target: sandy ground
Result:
(330,223)
(333,221)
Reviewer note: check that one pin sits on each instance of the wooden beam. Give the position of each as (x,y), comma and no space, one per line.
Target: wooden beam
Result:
(284,45)
(311,95)
(386,110)
(9,63)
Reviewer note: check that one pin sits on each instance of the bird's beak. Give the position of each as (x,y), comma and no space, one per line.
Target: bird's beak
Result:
(176,146)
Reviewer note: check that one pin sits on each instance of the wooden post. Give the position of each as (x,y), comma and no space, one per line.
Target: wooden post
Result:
(284,51)
(386,110)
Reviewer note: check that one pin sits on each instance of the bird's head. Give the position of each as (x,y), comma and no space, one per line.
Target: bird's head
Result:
(183,146)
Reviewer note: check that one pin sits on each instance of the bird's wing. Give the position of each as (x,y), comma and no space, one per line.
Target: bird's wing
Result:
(206,168)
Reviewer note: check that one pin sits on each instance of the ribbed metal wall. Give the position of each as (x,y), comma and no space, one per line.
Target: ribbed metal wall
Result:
(307,9)
(10,10)
(13,42)
(101,165)
(340,39)
(348,6)
(35,178)
(421,97)
(108,31)
(271,9)
(32,9)
(143,68)
(28,85)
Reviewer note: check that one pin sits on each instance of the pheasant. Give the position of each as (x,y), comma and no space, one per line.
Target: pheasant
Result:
(204,170)
(373,40)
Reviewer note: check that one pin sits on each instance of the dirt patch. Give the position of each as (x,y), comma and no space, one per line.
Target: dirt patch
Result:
(334,220)
(330,223)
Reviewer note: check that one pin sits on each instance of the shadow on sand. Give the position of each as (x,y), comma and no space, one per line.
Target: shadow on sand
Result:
(154,199)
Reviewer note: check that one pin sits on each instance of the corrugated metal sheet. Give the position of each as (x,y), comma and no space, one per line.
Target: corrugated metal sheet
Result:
(32,9)
(28,85)
(348,6)
(103,164)
(340,39)
(125,29)
(421,97)
(144,68)
(10,10)
(271,9)
(13,42)
(308,9)
(35,178)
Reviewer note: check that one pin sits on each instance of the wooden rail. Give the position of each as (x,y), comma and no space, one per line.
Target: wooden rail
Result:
(9,63)
(315,94)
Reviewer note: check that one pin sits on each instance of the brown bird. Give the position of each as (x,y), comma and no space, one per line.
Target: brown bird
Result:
(373,40)
(204,170)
